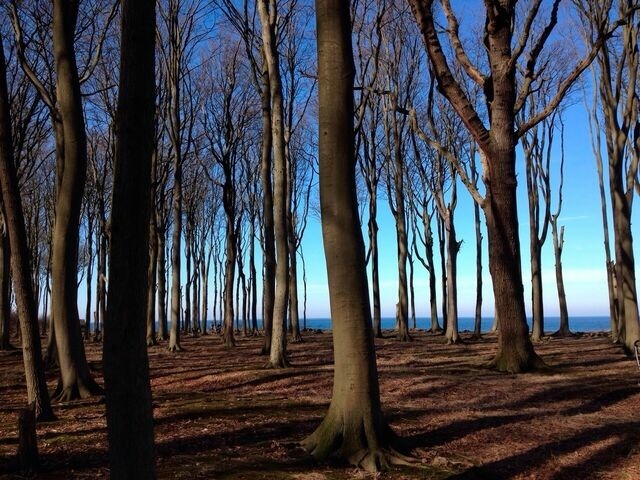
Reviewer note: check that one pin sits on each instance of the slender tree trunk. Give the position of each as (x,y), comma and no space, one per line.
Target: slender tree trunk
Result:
(186,325)
(453,248)
(253,279)
(268,16)
(294,317)
(5,282)
(126,365)
(152,337)
(87,314)
(230,264)
(443,269)
(536,290)
(16,230)
(163,331)
(75,378)
(477,324)
(354,427)
(375,266)
(269,252)
(433,304)
(558,245)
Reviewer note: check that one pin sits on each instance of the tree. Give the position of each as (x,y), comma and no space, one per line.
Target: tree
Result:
(126,366)
(513,48)
(15,226)
(616,79)
(267,10)
(354,427)
(75,378)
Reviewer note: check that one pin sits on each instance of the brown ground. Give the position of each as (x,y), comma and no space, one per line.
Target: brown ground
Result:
(220,415)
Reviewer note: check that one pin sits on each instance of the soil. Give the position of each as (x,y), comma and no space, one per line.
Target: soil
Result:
(220,415)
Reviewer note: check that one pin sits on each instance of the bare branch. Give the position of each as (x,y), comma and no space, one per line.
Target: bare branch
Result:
(437,146)
(447,84)
(454,27)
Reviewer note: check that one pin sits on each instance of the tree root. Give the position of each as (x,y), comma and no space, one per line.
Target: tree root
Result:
(81,389)
(371,451)
(530,364)
(175,348)
(281,363)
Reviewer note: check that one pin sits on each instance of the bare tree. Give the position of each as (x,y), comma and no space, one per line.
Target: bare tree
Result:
(616,79)
(354,427)
(513,48)
(15,229)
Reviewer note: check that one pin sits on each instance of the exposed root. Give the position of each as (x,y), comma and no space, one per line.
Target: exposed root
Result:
(79,390)
(563,334)
(404,337)
(371,448)
(281,363)
(175,348)
(519,365)
(151,342)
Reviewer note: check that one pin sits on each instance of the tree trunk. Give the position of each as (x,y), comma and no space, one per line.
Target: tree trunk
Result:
(186,324)
(453,247)
(126,365)
(5,283)
(443,269)
(536,290)
(268,16)
(163,330)
(152,337)
(375,267)
(231,248)
(294,317)
(25,298)
(268,247)
(75,378)
(87,314)
(558,245)
(515,351)
(433,304)
(354,428)
(477,324)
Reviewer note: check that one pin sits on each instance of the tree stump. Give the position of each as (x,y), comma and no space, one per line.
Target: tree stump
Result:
(27,441)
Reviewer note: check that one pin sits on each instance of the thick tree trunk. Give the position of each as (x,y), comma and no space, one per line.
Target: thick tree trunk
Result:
(204,289)
(268,16)
(354,428)
(186,324)
(515,351)
(126,365)
(75,378)
(25,298)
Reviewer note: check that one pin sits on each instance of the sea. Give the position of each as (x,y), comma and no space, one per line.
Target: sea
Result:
(551,324)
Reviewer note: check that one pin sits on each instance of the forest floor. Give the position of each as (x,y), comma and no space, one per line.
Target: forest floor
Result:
(220,415)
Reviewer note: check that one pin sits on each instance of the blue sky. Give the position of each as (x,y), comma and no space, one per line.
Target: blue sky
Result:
(583,256)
